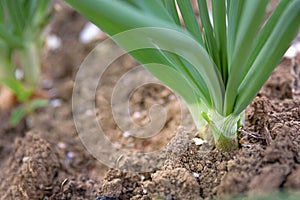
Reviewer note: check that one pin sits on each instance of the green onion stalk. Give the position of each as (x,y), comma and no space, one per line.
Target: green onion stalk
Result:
(217,66)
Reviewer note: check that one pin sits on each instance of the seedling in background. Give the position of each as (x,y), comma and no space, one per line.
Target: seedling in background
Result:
(229,59)
(21,39)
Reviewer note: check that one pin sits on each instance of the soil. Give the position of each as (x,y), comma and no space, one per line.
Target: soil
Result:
(44,158)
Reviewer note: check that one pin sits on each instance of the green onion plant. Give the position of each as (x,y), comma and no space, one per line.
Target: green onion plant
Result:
(220,64)
(21,39)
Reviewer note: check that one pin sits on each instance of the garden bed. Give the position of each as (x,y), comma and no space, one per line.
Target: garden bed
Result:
(43,157)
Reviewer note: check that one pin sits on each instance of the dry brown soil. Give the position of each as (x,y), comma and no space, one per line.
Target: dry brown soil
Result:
(43,157)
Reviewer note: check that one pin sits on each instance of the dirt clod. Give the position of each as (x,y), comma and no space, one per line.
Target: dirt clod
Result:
(32,169)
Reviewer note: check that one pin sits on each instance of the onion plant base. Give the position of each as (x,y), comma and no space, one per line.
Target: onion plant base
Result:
(226,143)
(220,141)
(221,131)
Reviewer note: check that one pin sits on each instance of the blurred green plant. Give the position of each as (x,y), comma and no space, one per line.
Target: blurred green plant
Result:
(21,40)
(27,108)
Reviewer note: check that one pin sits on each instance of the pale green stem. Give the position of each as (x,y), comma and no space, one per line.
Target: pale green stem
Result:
(222,130)
(31,63)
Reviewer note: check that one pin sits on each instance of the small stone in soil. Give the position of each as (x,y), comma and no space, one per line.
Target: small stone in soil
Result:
(89,33)
(199,141)
(53,42)
(56,103)
(126,134)
(70,155)
(47,84)
(143,178)
(196,175)
(62,145)
(24,159)
(291,52)
(136,115)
